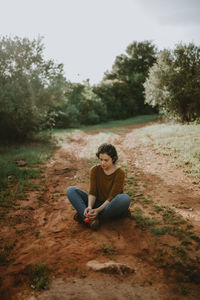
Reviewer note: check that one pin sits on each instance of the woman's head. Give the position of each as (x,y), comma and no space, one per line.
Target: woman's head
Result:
(108,149)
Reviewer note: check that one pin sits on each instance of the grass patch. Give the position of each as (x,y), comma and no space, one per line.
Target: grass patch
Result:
(5,252)
(158,208)
(180,142)
(108,249)
(141,221)
(161,230)
(15,179)
(184,290)
(39,276)
(171,217)
(110,124)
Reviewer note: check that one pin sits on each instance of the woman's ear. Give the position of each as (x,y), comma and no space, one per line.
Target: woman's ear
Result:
(114,159)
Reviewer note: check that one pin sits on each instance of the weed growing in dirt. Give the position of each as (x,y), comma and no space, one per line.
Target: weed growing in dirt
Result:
(179,251)
(5,252)
(108,249)
(39,276)
(141,221)
(36,232)
(9,245)
(184,290)
(161,230)
(158,208)
(171,217)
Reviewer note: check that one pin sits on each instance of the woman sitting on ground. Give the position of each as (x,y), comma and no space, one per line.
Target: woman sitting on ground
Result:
(105,199)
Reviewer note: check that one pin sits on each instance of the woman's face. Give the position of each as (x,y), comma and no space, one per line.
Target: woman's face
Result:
(106,161)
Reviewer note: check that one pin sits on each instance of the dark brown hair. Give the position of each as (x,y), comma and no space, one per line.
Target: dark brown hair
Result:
(108,149)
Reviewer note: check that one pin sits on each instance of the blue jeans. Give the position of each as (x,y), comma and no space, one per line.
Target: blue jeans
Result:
(118,207)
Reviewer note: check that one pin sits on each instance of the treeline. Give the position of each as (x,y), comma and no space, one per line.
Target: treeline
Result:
(118,96)
(35,95)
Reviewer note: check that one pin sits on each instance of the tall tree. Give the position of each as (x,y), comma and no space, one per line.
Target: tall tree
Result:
(30,87)
(123,86)
(173,84)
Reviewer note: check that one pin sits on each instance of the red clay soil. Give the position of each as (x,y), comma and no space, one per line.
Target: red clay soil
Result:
(45,231)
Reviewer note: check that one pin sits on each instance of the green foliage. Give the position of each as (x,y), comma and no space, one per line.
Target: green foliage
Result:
(161,230)
(5,251)
(81,107)
(173,83)
(141,221)
(30,88)
(15,180)
(39,276)
(108,249)
(170,217)
(122,89)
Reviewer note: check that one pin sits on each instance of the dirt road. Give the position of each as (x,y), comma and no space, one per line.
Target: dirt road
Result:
(47,232)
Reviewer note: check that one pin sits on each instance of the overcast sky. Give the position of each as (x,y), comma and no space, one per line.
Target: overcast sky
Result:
(87,35)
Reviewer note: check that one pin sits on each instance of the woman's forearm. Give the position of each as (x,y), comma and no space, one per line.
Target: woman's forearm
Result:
(91,201)
(100,208)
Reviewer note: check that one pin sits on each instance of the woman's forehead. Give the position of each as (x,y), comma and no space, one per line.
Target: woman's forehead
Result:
(104,156)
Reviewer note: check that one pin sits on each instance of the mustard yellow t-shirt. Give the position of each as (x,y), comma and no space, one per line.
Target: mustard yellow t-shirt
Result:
(106,187)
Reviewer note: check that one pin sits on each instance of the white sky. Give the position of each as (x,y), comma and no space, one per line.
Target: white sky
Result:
(87,35)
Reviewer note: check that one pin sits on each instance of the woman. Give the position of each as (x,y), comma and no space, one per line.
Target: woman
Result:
(105,199)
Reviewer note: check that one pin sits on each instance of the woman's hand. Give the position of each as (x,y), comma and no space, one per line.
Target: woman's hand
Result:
(93,213)
(87,211)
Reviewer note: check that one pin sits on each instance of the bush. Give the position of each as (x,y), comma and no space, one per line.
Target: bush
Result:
(82,107)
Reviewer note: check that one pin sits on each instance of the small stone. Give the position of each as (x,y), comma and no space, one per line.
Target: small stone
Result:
(111,267)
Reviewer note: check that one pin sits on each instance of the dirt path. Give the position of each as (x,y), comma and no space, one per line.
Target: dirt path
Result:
(48,233)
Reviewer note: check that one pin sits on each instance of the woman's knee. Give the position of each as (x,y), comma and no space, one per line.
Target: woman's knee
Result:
(70,190)
(124,199)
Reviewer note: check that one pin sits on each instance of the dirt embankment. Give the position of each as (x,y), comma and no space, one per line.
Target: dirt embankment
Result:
(46,231)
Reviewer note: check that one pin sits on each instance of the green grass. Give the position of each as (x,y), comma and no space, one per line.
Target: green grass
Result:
(161,230)
(180,142)
(39,276)
(5,252)
(141,221)
(171,217)
(33,153)
(15,180)
(108,249)
(110,124)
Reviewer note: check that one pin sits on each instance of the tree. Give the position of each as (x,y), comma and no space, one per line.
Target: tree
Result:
(173,84)
(30,88)
(122,89)
(81,107)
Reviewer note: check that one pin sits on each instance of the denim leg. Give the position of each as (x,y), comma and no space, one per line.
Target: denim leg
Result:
(78,198)
(118,206)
